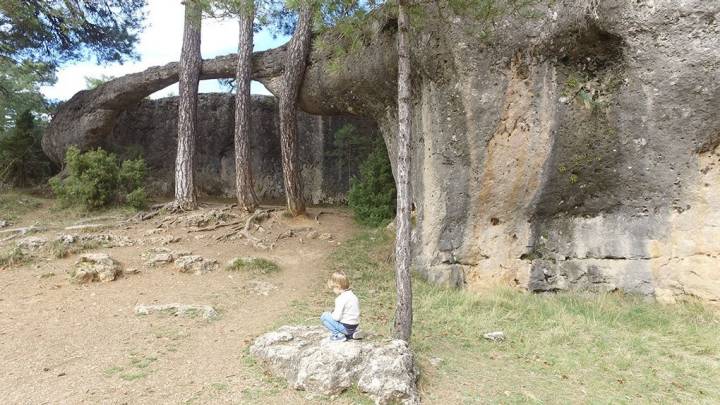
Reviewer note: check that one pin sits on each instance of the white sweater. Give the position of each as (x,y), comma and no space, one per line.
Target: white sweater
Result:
(347,308)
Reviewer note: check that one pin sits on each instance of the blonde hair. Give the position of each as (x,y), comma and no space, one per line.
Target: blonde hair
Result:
(339,280)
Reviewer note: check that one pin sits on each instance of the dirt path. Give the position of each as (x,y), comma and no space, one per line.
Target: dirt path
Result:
(69,343)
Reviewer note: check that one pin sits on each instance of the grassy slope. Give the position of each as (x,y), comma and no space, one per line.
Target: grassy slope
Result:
(563,348)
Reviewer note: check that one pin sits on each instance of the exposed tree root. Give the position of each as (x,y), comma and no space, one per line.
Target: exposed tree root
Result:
(216,226)
(20,232)
(246,230)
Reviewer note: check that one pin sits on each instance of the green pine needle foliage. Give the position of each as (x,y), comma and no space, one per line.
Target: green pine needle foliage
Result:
(372,195)
(22,160)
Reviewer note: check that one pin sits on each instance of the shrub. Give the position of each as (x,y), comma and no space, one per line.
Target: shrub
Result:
(372,195)
(13,257)
(95,180)
(137,198)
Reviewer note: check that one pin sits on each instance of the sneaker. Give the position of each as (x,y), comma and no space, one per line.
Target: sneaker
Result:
(359,334)
(338,338)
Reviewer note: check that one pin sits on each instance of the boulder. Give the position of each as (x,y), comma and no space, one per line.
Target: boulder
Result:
(308,360)
(195,264)
(159,259)
(95,267)
(32,242)
(3,223)
(66,239)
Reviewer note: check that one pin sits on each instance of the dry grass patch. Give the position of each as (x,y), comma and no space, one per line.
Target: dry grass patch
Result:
(13,257)
(14,204)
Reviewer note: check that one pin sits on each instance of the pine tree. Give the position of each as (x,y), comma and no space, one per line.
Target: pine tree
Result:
(403,310)
(245,187)
(297,54)
(22,161)
(190,65)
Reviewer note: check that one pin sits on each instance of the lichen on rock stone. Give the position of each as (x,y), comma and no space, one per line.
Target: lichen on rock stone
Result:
(308,360)
(195,264)
(95,267)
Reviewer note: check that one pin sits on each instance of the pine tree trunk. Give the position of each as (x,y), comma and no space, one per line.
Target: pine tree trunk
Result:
(403,310)
(244,184)
(297,54)
(190,65)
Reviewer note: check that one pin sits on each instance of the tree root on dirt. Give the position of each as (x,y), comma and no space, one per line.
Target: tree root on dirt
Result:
(246,231)
(21,232)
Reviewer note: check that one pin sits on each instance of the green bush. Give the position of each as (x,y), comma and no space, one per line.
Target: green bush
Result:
(94,180)
(137,198)
(372,196)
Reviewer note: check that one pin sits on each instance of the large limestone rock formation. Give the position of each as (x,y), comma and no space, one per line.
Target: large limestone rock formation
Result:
(309,361)
(570,144)
(150,127)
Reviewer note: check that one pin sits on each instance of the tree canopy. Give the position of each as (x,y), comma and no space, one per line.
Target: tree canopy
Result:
(20,90)
(54,31)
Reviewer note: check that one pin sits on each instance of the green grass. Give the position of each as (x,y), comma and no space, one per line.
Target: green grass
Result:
(563,348)
(14,257)
(253,264)
(14,204)
(112,371)
(138,367)
(133,375)
(60,250)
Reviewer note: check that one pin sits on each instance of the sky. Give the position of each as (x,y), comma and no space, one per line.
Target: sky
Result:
(159,44)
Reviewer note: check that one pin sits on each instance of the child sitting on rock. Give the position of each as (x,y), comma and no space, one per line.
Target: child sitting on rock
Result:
(344,319)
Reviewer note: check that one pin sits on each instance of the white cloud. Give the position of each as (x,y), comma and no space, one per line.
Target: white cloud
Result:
(159,44)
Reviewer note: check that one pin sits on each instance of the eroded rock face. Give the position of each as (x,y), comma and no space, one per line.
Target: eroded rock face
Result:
(575,148)
(309,361)
(150,129)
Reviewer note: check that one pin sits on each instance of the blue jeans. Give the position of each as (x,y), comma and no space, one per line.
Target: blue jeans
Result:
(332,325)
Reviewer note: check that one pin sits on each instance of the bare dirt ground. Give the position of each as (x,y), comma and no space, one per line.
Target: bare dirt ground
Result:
(69,343)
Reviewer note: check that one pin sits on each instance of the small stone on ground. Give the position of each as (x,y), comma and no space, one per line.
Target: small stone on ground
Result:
(206,311)
(495,336)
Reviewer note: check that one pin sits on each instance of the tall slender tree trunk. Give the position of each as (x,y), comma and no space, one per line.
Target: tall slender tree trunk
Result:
(403,310)
(190,65)
(244,184)
(297,54)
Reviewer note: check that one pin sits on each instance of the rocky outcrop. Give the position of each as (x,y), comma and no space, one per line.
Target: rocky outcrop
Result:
(91,114)
(95,267)
(563,145)
(150,129)
(309,361)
